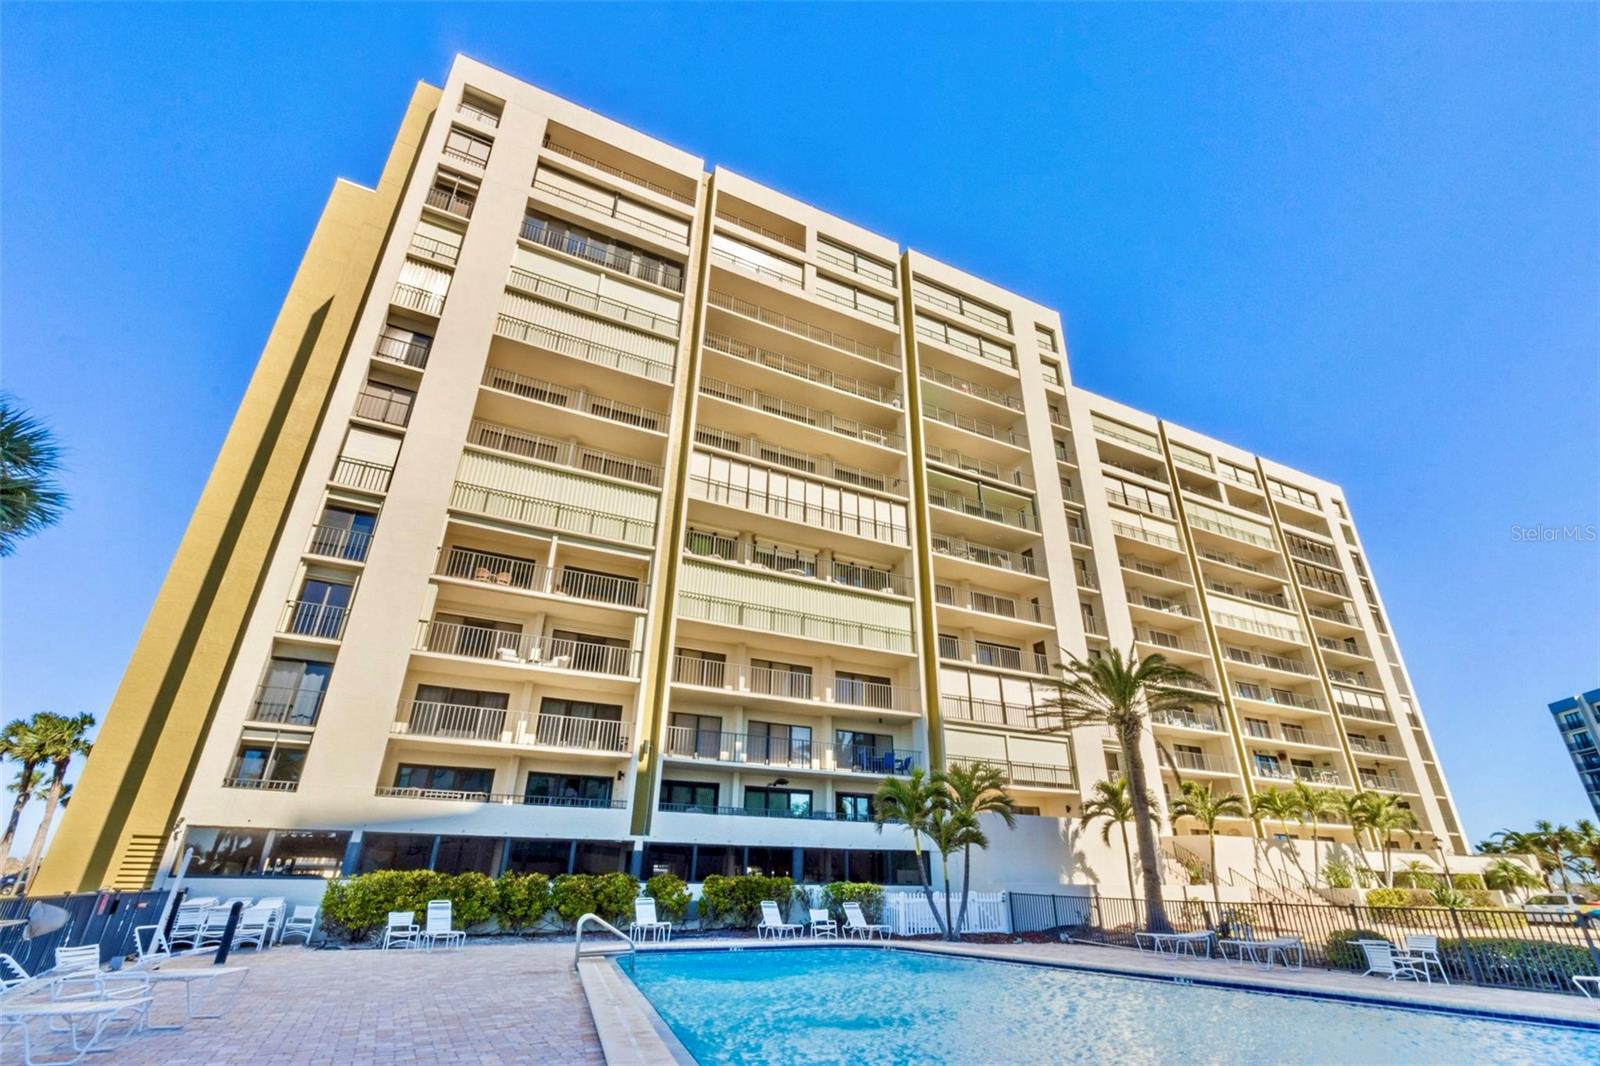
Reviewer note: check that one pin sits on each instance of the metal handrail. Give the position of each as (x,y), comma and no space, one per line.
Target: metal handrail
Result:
(577,953)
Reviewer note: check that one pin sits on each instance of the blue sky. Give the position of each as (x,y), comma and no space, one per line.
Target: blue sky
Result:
(1362,240)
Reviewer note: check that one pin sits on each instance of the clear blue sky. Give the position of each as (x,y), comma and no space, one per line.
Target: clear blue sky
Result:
(1363,240)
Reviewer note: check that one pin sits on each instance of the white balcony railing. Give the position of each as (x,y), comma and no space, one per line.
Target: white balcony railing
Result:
(531,576)
(452,721)
(532,649)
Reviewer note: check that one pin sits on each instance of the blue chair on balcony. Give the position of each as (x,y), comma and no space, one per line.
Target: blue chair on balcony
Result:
(903,766)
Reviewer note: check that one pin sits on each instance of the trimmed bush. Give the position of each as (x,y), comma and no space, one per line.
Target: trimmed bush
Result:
(1480,898)
(1390,897)
(472,898)
(1339,874)
(356,906)
(521,900)
(838,893)
(736,901)
(608,895)
(1342,951)
(1468,882)
(671,896)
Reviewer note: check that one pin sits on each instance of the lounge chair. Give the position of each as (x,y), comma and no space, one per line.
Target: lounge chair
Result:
(254,928)
(1588,984)
(401,931)
(1286,949)
(441,926)
(85,1022)
(212,927)
(772,923)
(189,921)
(151,946)
(645,923)
(1426,948)
(822,924)
(856,924)
(302,923)
(1384,960)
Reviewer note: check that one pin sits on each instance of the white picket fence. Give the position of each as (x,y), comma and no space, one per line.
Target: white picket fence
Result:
(907,912)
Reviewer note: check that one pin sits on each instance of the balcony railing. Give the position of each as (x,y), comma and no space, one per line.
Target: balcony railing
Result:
(792,623)
(1160,540)
(548,514)
(1139,503)
(818,516)
(1250,625)
(1167,640)
(801,328)
(795,563)
(616,310)
(414,298)
(399,350)
(516,647)
(1144,444)
(755,227)
(1011,516)
(806,813)
(1186,720)
(1312,553)
(857,301)
(800,368)
(578,348)
(1254,566)
(1158,603)
(1189,760)
(981,427)
(1263,731)
(432,248)
(473,111)
(960,548)
(262,784)
(1345,677)
(955,383)
(616,172)
(991,712)
(566,453)
(613,255)
(748,748)
(1278,697)
(573,399)
(1024,774)
(454,721)
(360,474)
(1370,747)
(1266,599)
(287,705)
(994,603)
(758,268)
(451,202)
(794,459)
(795,684)
(613,207)
(1330,614)
(798,412)
(1005,358)
(514,799)
(379,405)
(339,542)
(969,464)
(1389,782)
(530,576)
(998,656)
(1236,533)
(313,618)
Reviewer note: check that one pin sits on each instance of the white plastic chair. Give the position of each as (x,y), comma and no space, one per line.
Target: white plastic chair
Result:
(96,1017)
(151,946)
(1426,948)
(645,923)
(772,923)
(856,924)
(254,928)
(822,924)
(441,921)
(1384,960)
(401,931)
(302,923)
(212,927)
(277,905)
(189,921)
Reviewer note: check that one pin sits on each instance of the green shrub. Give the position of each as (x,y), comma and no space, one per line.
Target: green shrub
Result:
(521,900)
(736,901)
(838,893)
(1342,951)
(608,895)
(1339,874)
(1538,962)
(671,896)
(1468,882)
(472,898)
(356,906)
(1445,896)
(1408,879)
(1389,897)
(1479,897)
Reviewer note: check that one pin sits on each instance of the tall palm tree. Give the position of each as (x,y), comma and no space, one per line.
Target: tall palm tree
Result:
(913,802)
(1197,802)
(1509,875)
(62,738)
(1316,805)
(1356,811)
(975,790)
(1557,842)
(31,499)
(1385,818)
(21,743)
(1121,692)
(1109,801)
(40,833)
(1517,842)
(1283,807)
(952,830)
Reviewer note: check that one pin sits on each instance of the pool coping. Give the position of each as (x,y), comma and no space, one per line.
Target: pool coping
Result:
(633,1032)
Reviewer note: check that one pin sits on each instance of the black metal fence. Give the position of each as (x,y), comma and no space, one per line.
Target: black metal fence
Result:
(1498,948)
(104,918)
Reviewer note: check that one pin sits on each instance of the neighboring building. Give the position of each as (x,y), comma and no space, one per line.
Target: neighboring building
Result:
(591,510)
(1578,718)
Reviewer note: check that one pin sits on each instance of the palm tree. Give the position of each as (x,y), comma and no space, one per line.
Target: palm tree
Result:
(951,831)
(1199,803)
(1385,817)
(1121,692)
(1275,804)
(1315,806)
(975,789)
(1508,875)
(1556,841)
(39,834)
(61,739)
(1356,811)
(21,743)
(1515,842)
(31,499)
(913,802)
(1109,800)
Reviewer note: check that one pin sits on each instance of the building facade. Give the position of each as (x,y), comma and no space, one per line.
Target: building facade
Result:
(1578,719)
(593,510)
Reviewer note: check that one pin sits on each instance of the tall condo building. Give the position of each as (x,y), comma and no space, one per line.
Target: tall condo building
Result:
(1578,719)
(592,510)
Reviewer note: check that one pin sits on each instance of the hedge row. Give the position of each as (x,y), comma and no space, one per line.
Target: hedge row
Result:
(355,907)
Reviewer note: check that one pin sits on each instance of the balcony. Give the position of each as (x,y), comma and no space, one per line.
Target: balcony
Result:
(451,201)
(1187,720)
(928,329)
(1264,629)
(994,604)
(960,548)
(1145,536)
(992,712)
(1169,642)
(767,403)
(801,328)
(1279,772)
(966,387)
(1239,592)
(450,721)
(1345,677)
(1389,782)
(616,172)
(1306,737)
(573,399)
(384,405)
(560,452)
(765,619)
(800,368)
(1367,714)
(260,784)
(1331,614)
(955,459)
(795,563)
(1161,604)
(613,207)
(1232,532)
(615,310)
(790,754)
(997,656)
(434,250)
(486,568)
(804,512)
(979,508)
(806,814)
(1198,762)
(796,460)
(362,475)
(1311,552)
(415,298)
(1030,775)
(1245,657)
(394,349)
(612,255)
(313,618)
(287,705)
(339,542)
(852,693)
(515,648)
(1277,697)
(1139,503)
(478,113)
(981,427)
(550,340)
(514,799)
(549,515)
(1372,747)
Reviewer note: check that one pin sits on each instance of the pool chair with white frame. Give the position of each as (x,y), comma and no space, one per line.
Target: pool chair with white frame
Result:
(401,931)
(302,923)
(822,924)
(1385,961)
(645,924)
(1426,948)
(441,926)
(856,924)
(772,923)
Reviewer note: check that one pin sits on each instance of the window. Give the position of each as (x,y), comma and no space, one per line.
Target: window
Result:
(1006,656)
(600,655)
(712,859)
(459,855)
(453,193)
(467,147)
(548,857)
(394,851)
(292,691)
(306,853)
(777,743)
(699,735)
(226,852)
(671,859)
(612,254)
(381,402)
(600,857)
(857,750)
(778,802)
(1045,337)
(1052,376)
(769,862)
(471,714)
(270,760)
(567,790)
(343,533)
(693,795)
(320,611)
(402,344)
(471,779)
(853,806)
(849,259)
(822,866)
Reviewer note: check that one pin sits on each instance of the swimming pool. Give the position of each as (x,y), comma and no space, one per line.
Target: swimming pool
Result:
(886,1008)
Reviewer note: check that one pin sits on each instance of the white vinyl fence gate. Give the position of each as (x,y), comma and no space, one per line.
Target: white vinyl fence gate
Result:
(907,912)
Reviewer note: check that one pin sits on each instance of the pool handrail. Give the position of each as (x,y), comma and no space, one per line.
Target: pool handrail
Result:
(597,920)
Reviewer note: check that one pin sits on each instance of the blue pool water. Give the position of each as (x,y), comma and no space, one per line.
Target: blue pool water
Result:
(888,1008)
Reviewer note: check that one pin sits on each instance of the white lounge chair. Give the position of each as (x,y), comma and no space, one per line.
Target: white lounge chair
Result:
(1286,949)
(401,931)
(1426,948)
(441,926)
(254,928)
(1175,944)
(277,905)
(772,923)
(151,946)
(212,928)
(85,1022)
(856,924)
(645,923)
(189,921)
(1384,960)
(822,924)
(302,923)
(1588,984)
